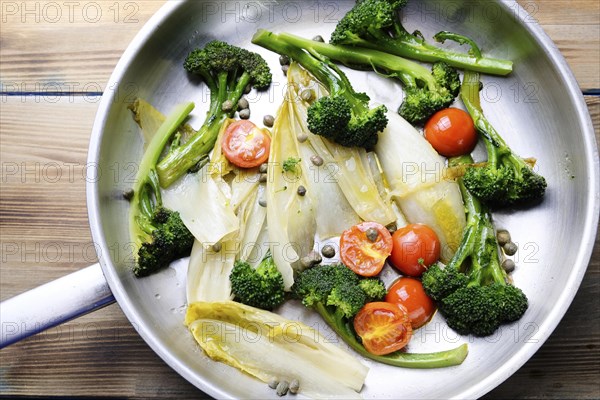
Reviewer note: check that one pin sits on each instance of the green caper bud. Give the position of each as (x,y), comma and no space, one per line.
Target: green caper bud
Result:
(503,237)
(510,249)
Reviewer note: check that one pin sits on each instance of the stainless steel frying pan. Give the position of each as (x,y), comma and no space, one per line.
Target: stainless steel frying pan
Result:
(539,109)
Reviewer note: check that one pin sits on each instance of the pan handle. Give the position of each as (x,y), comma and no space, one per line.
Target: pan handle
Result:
(53,303)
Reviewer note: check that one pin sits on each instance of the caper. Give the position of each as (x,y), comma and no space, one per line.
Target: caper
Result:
(245,113)
(302,137)
(268,120)
(392,227)
(285,69)
(216,247)
(510,249)
(301,190)
(316,160)
(247,89)
(508,265)
(294,386)
(284,60)
(263,168)
(282,388)
(273,382)
(128,194)
(503,237)
(328,251)
(262,178)
(372,234)
(243,104)
(318,38)
(262,202)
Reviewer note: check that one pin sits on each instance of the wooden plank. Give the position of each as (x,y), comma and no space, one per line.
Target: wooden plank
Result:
(39,54)
(101,354)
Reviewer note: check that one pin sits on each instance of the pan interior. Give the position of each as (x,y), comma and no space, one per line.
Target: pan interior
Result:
(535,109)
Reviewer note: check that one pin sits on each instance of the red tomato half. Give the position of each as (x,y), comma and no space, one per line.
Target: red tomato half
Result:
(246,145)
(362,255)
(409,293)
(416,246)
(451,132)
(383,327)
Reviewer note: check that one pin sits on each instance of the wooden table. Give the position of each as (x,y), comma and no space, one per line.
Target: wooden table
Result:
(55,60)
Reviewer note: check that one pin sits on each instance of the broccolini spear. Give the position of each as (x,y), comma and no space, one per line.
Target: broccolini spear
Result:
(505,179)
(158,234)
(344,116)
(337,294)
(226,70)
(425,91)
(472,290)
(261,287)
(376,24)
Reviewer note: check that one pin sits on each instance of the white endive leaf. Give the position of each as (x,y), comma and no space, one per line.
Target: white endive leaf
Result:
(267,346)
(205,210)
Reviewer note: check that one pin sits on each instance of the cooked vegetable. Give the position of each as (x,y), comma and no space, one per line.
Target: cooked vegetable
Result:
(451,132)
(261,287)
(365,247)
(204,208)
(157,233)
(425,91)
(383,327)
(245,145)
(226,70)
(409,293)
(344,115)
(347,168)
(505,179)
(337,294)
(290,218)
(270,347)
(337,286)
(415,247)
(415,173)
(376,24)
(472,290)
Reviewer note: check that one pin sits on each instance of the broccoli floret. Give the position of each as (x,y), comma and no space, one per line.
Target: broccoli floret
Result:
(505,179)
(344,115)
(440,282)
(337,294)
(169,241)
(227,70)
(261,287)
(376,24)
(472,290)
(373,288)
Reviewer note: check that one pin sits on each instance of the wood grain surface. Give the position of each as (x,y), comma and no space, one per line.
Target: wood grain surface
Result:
(52,71)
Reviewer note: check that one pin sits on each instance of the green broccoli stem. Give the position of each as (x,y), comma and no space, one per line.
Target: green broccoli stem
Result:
(410,46)
(178,162)
(342,327)
(406,70)
(496,147)
(146,182)
(479,241)
(317,67)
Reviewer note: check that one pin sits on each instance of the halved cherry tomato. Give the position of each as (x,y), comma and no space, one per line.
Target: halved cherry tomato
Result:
(416,246)
(246,145)
(451,132)
(362,254)
(409,293)
(383,327)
